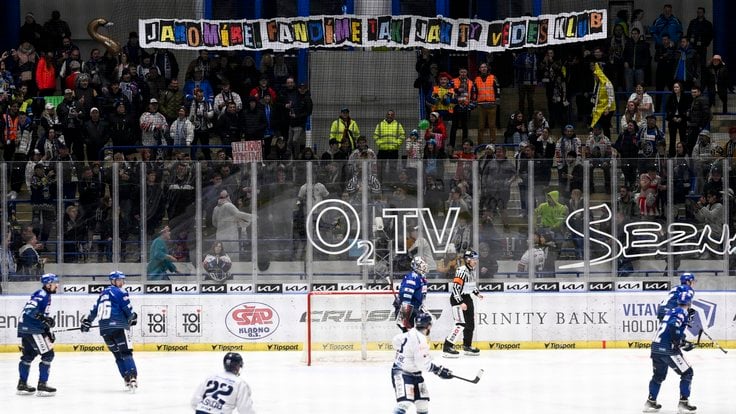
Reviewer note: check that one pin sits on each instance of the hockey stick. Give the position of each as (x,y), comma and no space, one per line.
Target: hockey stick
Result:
(75,329)
(474,380)
(714,341)
(390,281)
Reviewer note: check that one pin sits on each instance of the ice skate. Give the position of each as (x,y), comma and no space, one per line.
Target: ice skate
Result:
(24,389)
(448,350)
(43,390)
(471,350)
(132,385)
(651,406)
(684,407)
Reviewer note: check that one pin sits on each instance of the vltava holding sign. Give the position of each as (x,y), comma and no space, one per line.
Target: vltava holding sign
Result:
(375,31)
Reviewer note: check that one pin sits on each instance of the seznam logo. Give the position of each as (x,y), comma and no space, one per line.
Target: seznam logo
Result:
(252,320)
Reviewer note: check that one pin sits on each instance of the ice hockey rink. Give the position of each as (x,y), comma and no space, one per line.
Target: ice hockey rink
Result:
(535,381)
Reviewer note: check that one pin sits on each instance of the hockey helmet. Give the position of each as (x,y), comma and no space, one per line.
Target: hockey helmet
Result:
(49,278)
(116,275)
(233,362)
(687,277)
(423,320)
(470,254)
(419,265)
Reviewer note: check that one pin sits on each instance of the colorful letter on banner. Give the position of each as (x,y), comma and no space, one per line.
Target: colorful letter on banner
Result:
(247,151)
(375,31)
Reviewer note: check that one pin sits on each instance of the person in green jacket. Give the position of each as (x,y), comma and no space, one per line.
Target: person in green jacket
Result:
(551,215)
(159,259)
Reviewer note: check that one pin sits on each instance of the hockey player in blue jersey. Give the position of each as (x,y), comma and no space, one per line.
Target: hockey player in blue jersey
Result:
(412,292)
(116,317)
(687,281)
(412,359)
(34,330)
(666,353)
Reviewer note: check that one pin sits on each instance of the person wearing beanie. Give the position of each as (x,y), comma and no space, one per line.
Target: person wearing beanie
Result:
(718,80)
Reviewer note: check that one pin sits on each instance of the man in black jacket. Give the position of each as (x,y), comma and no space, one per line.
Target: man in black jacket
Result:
(698,118)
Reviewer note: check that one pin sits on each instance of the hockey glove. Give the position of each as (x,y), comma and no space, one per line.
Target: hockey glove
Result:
(686,345)
(86,324)
(133,320)
(691,315)
(51,336)
(47,321)
(441,371)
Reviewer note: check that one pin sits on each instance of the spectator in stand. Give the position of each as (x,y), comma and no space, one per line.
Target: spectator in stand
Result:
(96,134)
(70,117)
(489,95)
(552,213)
(626,205)
(627,147)
(637,60)
(75,233)
(30,263)
(32,32)
(600,157)
(568,143)
(702,156)
(523,159)
(699,117)
(637,22)
(201,113)
(388,137)
(434,157)
(604,100)
(496,176)
(122,125)
(70,69)
(273,124)
(443,96)
(536,125)
(182,129)
(228,221)
(43,200)
(217,264)
(170,100)
(254,121)
(678,106)
(160,261)
(718,81)
(202,63)
(198,81)
(56,29)
(700,34)
(632,114)
(547,68)
(544,154)
(153,125)
(465,101)
(96,68)
(263,88)
(427,71)
(666,23)
(414,149)
(464,164)
(345,128)
(516,131)
(682,174)
(437,131)
(709,211)
(644,102)
(687,69)
(70,170)
(525,65)
(166,62)
(298,112)
(46,74)
(666,57)
(650,137)
(650,185)
(181,195)
(229,125)
(617,47)
(225,96)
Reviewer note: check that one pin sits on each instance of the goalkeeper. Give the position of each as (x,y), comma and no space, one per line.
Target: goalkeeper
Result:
(411,361)
(412,292)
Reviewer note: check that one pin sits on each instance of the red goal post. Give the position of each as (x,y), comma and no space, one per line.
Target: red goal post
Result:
(341,323)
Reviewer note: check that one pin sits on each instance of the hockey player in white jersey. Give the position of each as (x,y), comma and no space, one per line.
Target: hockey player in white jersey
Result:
(411,361)
(224,392)
(462,307)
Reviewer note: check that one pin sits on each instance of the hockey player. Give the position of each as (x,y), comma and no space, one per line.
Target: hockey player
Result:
(224,392)
(462,307)
(412,292)
(687,281)
(666,352)
(411,361)
(116,317)
(34,330)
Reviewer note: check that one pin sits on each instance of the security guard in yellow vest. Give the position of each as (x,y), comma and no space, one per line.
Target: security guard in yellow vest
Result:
(389,136)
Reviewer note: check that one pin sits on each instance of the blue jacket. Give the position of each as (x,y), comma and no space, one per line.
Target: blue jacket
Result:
(114,308)
(413,289)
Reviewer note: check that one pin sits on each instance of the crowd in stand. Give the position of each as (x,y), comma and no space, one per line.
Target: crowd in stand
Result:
(134,104)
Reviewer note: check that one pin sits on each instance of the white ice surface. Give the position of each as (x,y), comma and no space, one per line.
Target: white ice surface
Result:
(539,382)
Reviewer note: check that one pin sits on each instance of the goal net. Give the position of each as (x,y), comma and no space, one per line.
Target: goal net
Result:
(350,326)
